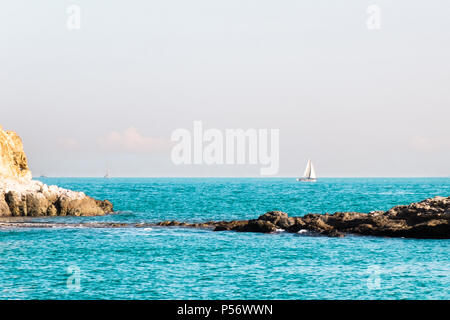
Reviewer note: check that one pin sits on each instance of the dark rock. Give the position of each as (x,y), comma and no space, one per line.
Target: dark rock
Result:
(37,204)
(17,206)
(426,219)
(256,226)
(285,223)
(229,225)
(34,204)
(273,216)
(4,208)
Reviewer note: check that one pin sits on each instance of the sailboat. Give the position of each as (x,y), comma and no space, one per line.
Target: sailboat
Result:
(107,176)
(309,174)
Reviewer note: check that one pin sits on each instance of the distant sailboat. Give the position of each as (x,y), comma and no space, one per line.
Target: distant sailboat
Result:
(107,176)
(310,173)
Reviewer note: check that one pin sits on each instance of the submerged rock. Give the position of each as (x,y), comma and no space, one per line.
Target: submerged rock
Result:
(22,196)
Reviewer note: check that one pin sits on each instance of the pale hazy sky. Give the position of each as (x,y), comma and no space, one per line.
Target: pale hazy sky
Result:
(358,102)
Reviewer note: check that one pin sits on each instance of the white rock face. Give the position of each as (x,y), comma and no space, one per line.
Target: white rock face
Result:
(25,186)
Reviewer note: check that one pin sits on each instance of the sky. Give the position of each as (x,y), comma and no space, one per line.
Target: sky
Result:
(358,102)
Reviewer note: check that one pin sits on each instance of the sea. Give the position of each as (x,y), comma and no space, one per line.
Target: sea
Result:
(69,262)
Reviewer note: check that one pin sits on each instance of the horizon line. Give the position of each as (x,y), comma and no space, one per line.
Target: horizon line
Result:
(245,177)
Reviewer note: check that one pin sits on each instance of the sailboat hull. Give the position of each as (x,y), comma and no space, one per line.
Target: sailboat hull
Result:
(306,179)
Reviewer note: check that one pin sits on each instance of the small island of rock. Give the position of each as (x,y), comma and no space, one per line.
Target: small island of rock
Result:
(429,219)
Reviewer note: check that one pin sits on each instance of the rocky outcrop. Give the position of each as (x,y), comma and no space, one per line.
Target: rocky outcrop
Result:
(22,196)
(426,219)
(13,161)
(19,198)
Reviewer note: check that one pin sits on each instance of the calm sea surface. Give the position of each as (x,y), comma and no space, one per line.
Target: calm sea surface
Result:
(177,263)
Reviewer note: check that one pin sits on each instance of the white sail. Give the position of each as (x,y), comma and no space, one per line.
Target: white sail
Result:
(312,174)
(307,172)
(107,171)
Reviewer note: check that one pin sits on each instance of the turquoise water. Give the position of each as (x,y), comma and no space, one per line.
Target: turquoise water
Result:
(178,263)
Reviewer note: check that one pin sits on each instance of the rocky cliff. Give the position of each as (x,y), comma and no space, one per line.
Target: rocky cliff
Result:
(13,161)
(22,196)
